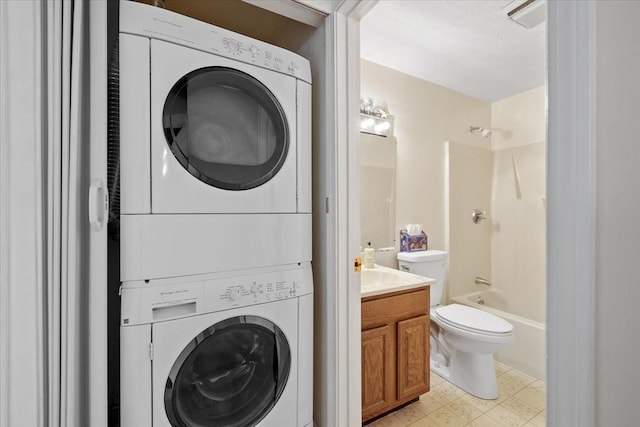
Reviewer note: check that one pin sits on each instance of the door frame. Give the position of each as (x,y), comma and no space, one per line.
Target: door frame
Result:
(97,369)
(571,214)
(571,211)
(570,232)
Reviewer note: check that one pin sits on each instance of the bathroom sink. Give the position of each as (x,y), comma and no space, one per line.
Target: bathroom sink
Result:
(381,280)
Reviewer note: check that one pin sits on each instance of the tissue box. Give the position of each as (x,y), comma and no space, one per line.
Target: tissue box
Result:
(413,242)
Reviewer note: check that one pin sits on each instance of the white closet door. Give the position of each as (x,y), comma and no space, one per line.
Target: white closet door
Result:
(98,215)
(22,268)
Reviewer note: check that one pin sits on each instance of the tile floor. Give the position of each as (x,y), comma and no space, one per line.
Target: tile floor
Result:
(521,403)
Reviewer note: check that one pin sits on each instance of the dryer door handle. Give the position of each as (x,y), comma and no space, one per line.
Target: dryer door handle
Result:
(98,204)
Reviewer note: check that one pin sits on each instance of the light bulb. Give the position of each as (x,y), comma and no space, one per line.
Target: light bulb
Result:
(381,127)
(366,123)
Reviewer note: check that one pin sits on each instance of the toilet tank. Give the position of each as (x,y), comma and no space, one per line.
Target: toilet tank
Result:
(431,263)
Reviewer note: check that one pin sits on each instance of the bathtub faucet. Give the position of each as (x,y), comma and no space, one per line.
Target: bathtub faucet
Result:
(481,281)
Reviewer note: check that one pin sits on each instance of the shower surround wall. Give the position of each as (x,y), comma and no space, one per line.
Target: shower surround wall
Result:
(507,179)
(510,246)
(468,187)
(518,211)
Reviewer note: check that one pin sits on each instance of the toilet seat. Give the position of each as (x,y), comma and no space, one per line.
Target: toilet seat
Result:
(473,320)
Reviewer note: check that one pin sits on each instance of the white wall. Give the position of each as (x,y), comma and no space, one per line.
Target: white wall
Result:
(618,213)
(323,267)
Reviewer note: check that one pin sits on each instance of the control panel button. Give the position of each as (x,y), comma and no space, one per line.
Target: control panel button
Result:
(233,46)
(234,294)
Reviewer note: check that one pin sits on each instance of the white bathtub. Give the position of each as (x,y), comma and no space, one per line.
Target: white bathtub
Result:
(527,353)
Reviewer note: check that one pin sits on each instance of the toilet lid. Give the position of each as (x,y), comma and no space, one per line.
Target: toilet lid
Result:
(473,319)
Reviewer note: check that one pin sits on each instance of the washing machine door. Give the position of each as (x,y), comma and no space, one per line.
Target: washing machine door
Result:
(226,128)
(231,374)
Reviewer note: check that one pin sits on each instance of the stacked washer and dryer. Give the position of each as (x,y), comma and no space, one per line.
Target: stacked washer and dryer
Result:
(215,215)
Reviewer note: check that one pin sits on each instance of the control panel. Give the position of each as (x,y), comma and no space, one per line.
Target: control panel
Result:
(269,291)
(153,301)
(264,57)
(253,290)
(161,24)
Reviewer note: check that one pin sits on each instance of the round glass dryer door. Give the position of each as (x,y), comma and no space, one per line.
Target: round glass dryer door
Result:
(226,128)
(232,374)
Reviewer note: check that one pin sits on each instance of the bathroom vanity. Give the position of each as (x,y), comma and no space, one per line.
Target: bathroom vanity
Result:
(395,339)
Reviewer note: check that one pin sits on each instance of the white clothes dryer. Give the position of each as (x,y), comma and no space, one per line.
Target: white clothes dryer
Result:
(211,121)
(215,149)
(234,351)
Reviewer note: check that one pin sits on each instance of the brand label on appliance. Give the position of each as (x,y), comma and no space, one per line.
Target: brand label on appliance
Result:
(172,295)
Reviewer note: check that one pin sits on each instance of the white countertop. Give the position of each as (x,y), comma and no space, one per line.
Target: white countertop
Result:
(381,280)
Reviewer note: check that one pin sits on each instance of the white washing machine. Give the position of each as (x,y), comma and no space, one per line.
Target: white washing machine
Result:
(215,148)
(211,121)
(219,350)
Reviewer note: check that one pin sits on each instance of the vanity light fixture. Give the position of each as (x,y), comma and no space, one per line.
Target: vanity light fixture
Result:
(376,125)
(374,119)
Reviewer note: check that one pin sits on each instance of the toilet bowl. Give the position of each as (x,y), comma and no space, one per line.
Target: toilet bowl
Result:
(463,339)
(463,342)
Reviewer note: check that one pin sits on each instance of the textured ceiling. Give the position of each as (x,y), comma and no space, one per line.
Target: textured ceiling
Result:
(469,46)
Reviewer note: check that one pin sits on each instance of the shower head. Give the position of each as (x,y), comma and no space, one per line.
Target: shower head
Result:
(486,133)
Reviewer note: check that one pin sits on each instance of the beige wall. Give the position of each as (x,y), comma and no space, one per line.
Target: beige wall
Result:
(618,213)
(426,115)
(508,183)
(518,212)
(520,119)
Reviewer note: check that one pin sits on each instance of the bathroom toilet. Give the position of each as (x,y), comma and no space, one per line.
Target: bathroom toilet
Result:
(463,338)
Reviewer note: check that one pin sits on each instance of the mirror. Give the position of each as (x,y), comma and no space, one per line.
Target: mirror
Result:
(377,191)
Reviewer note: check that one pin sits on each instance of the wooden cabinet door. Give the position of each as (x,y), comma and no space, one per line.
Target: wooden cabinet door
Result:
(378,370)
(413,357)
